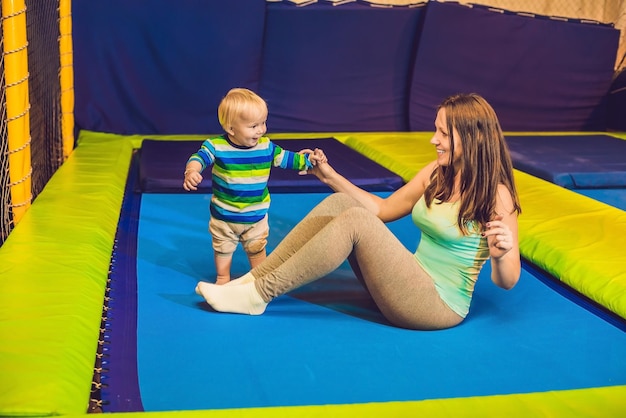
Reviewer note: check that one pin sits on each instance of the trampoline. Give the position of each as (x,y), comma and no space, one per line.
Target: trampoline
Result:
(326,343)
(323,350)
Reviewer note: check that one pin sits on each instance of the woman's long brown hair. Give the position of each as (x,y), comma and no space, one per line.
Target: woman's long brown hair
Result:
(485,161)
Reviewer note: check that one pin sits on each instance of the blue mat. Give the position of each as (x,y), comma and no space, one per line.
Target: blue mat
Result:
(327,344)
(572,161)
(613,197)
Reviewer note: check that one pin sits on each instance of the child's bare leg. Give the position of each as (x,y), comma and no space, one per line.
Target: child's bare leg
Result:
(223,264)
(256,259)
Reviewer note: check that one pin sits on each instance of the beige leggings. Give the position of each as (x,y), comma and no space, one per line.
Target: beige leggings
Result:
(340,228)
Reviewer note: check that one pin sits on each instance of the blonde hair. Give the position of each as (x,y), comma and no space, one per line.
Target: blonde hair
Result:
(485,161)
(240,102)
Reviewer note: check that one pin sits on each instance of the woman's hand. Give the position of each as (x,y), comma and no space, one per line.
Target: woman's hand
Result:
(323,171)
(502,239)
(499,237)
(316,157)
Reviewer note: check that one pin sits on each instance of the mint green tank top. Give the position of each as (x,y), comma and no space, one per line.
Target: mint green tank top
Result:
(451,259)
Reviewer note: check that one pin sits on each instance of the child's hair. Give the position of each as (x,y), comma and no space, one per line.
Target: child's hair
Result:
(240,102)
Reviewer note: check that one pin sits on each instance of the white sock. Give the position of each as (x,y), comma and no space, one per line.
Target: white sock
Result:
(246,278)
(243,299)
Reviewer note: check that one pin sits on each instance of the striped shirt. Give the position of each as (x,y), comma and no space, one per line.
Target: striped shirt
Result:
(240,176)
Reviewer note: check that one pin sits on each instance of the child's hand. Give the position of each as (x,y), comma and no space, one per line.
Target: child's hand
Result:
(318,157)
(308,152)
(192,179)
(315,157)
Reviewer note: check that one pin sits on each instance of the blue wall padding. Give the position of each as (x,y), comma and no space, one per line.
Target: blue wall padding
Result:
(161,166)
(159,66)
(539,74)
(571,161)
(345,68)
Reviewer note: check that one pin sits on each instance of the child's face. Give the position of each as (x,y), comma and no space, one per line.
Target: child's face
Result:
(247,129)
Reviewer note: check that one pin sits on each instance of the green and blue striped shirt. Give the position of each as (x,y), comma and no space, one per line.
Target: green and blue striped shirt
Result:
(240,176)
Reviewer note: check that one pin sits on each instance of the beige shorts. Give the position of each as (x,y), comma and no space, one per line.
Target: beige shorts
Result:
(226,236)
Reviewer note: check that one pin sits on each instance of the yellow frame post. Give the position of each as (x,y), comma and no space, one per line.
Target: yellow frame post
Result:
(66,76)
(17,105)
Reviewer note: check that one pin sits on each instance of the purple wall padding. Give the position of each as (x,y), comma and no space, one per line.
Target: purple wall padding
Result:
(338,68)
(617,103)
(159,66)
(538,73)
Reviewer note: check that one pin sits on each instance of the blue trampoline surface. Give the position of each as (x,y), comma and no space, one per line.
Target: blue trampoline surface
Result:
(327,344)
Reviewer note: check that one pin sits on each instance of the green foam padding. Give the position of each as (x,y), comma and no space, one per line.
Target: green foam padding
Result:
(574,238)
(593,402)
(53,272)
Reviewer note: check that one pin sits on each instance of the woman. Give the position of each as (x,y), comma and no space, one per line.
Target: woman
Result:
(464,202)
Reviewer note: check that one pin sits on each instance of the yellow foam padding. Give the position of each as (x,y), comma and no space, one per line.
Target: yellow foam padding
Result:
(573,237)
(53,273)
(404,153)
(54,266)
(595,402)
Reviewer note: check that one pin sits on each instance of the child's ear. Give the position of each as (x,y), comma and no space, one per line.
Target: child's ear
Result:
(230,131)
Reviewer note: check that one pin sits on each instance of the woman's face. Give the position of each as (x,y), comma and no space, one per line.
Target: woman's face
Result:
(442,142)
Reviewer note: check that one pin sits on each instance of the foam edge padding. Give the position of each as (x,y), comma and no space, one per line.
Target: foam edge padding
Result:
(595,402)
(574,238)
(403,153)
(53,273)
